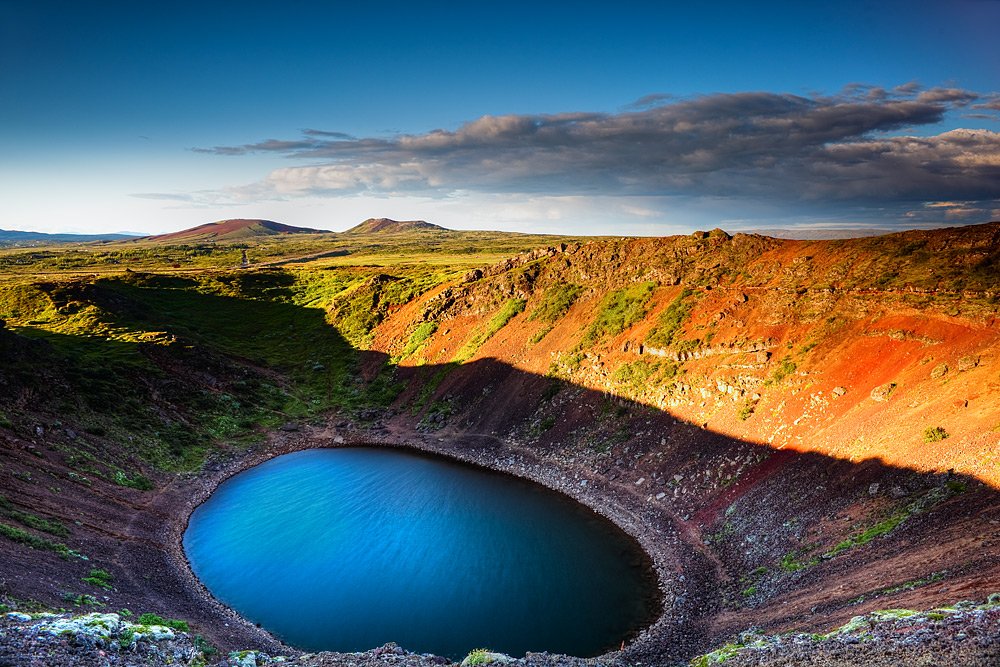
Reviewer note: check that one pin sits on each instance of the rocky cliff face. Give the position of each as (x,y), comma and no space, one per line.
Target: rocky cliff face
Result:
(819,419)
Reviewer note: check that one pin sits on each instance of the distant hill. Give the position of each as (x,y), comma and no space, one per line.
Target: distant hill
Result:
(232,230)
(16,238)
(387,226)
(821,233)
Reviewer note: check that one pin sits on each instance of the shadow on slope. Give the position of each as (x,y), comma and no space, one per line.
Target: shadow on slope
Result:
(754,536)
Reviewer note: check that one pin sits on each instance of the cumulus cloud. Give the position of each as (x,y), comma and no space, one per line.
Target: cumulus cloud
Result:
(858,147)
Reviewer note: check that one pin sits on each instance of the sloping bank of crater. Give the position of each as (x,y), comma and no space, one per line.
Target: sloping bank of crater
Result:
(678,569)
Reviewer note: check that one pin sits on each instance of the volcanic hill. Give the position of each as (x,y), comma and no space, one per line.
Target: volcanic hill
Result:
(388,226)
(230,230)
(799,433)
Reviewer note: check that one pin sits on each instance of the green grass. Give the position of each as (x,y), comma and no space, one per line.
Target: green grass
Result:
(99,578)
(50,526)
(82,600)
(784,369)
(418,339)
(510,309)
(138,331)
(668,325)
(618,311)
(33,541)
(556,302)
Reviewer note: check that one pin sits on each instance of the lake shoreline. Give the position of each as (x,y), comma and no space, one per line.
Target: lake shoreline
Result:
(664,638)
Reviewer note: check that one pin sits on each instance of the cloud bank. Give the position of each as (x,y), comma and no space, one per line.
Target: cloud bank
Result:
(862,147)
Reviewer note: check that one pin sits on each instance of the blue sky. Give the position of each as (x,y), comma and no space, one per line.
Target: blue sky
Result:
(632,118)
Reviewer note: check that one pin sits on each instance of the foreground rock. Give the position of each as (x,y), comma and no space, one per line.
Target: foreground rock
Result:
(966,635)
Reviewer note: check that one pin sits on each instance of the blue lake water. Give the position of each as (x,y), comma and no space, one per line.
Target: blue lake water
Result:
(347,549)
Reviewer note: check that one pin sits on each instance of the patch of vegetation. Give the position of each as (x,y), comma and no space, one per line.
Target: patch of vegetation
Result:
(897,517)
(670,321)
(126,635)
(99,578)
(746,410)
(792,562)
(507,312)
(154,619)
(721,655)
(751,581)
(364,304)
(934,434)
(431,385)
(542,426)
(556,302)
(634,376)
(202,644)
(479,656)
(634,379)
(136,481)
(82,600)
(540,334)
(199,361)
(50,526)
(618,311)
(899,588)
(784,369)
(24,537)
(565,364)
(418,339)
(551,390)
